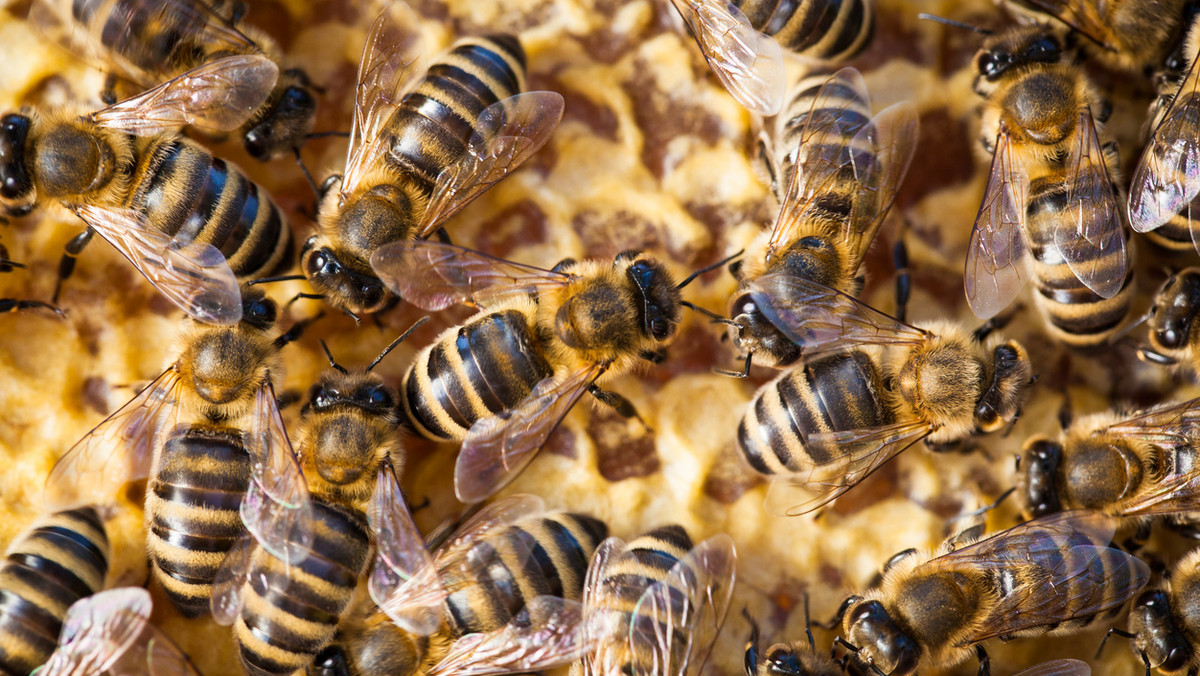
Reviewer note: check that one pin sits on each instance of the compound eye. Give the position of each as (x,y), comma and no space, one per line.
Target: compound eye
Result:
(380,398)
(987,65)
(262,311)
(319,397)
(661,329)
(1045,49)
(372,295)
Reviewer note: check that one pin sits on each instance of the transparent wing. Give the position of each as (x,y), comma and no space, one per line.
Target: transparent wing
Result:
(1090,237)
(1066,667)
(1167,177)
(498,447)
(404,582)
(154,655)
(118,450)
(998,257)
(597,622)
(392,61)
(855,455)
(893,134)
(1084,16)
(820,319)
(276,508)
(748,63)
(97,631)
(497,515)
(1168,425)
(546,633)
(193,275)
(507,134)
(217,96)
(434,276)
(230,582)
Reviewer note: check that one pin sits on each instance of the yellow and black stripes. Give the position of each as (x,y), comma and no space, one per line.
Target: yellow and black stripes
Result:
(60,560)
(829,30)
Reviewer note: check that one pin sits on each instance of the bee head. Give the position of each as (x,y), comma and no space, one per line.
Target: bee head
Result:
(884,644)
(1156,634)
(1001,401)
(225,364)
(15,182)
(287,122)
(657,295)
(1174,312)
(330,662)
(349,290)
(1017,47)
(1041,460)
(752,333)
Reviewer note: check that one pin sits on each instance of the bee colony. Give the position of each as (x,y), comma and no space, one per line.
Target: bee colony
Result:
(652,154)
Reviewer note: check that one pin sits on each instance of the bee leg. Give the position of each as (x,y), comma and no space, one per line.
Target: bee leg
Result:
(288,397)
(623,406)
(297,330)
(737,374)
(237,12)
(992,325)
(13,305)
(985,662)
(735,269)
(654,356)
(903,279)
(443,236)
(855,650)
(108,92)
(1119,632)
(751,658)
(67,264)
(837,616)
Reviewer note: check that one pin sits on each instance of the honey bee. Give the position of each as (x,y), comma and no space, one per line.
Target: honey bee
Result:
(148,42)
(110,632)
(57,561)
(744,41)
(416,159)
(1163,623)
(1050,207)
(501,595)
(207,433)
(795,659)
(823,426)
(841,169)
(1142,466)
(1171,322)
(1050,575)
(192,223)
(655,605)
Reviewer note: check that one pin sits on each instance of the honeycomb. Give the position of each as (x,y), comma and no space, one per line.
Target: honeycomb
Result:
(651,154)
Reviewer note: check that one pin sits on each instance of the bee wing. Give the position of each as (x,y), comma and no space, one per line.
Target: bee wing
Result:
(1090,237)
(98,630)
(118,450)
(276,508)
(893,135)
(230,582)
(193,275)
(507,134)
(498,447)
(1085,16)
(600,619)
(156,655)
(1167,177)
(404,582)
(217,96)
(854,454)
(748,63)
(434,276)
(491,518)
(820,319)
(1168,425)
(1065,667)
(998,257)
(392,60)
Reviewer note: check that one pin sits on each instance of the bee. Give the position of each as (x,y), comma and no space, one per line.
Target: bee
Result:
(207,433)
(416,159)
(59,560)
(148,42)
(1163,624)
(1054,574)
(192,223)
(656,604)
(1050,207)
(744,41)
(1171,321)
(1137,467)
(110,632)
(869,387)
(501,595)
(795,659)
(841,169)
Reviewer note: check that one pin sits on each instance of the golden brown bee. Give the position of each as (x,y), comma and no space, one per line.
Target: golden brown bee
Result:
(744,41)
(148,42)
(794,659)
(1165,623)
(417,158)
(57,561)
(830,421)
(192,223)
(1050,210)
(1050,575)
(840,169)
(656,604)
(1172,326)
(208,435)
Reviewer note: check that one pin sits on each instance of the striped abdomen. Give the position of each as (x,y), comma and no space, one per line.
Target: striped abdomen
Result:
(431,127)
(192,511)
(544,555)
(160,38)
(291,612)
(60,560)
(1177,233)
(487,366)
(830,394)
(193,196)
(829,30)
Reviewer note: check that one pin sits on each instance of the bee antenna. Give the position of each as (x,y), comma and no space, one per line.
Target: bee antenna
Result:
(957,24)
(326,134)
(4,262)
(312,296)
(808,624)
(341,369)
(720,319)
(1132,325)
(396,342)
(708,268)
(307,176)
(268,280)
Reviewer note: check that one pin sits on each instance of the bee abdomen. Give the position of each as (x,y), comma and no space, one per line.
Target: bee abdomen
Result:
(830,30)
(291,612)
(57,562)
(150,38)
(192,511)
(489,366)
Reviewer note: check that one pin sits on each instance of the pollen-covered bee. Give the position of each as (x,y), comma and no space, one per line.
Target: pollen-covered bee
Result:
(192,223)
(836,170)
(656,604)
(1172,322)
(207,433)
(1164,623)
(1050,210)
(502,595)
(148,42)
(421,148)
(744,41)
(869,387)
(57,561)
(1051,575)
